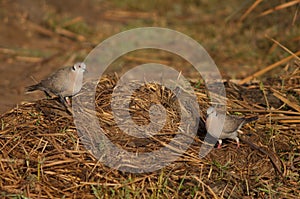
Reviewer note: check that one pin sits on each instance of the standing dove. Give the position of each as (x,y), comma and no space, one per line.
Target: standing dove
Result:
(232,125)
(63,83)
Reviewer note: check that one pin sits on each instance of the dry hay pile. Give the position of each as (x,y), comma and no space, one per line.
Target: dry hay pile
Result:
(42,156)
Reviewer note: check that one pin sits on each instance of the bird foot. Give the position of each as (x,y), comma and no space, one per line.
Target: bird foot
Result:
(68,101)
(237,142)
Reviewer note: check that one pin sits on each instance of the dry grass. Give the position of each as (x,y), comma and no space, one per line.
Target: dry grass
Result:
(42,155)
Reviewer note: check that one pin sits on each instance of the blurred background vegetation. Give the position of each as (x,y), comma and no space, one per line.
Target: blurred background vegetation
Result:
(38,37)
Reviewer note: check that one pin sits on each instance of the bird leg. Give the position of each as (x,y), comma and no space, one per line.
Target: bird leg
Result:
(220,143)
(237,142)
(68,101)
(67,104)
(64,101)
(236,139)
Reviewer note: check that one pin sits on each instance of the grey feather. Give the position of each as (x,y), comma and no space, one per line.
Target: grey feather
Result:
(65,82)
(232,124)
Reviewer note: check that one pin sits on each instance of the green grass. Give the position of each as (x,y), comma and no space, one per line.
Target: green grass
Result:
(222,168)
(14,196)
(243,46)
(54,20)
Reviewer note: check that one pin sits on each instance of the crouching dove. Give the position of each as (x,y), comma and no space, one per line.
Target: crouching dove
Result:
(232,125)
(63,83)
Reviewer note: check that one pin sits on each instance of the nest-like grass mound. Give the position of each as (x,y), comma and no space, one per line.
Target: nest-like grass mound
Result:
(42,154)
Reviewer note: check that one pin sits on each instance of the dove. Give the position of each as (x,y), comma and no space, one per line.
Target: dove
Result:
(232,125)
(64,82)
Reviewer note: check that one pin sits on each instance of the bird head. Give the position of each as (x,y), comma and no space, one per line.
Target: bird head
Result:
(210,110)
(79,67)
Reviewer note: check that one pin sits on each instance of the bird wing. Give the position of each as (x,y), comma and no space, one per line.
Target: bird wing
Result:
(58,81)
(232,123)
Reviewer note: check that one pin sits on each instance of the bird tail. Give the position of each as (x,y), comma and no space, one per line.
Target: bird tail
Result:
(251,119)
(32,88)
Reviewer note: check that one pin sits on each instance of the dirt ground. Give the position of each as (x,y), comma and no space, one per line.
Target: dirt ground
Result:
(28,52)
(35,40)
